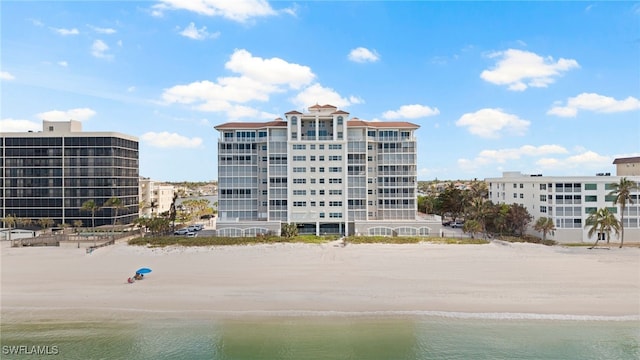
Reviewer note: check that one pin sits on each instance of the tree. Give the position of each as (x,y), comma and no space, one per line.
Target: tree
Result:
(116,204)
(544,225)
(77,224)
(289,230)
(173,211)
(622,193)
(451,201)
(518,217)
(91,206)
(472,227)
(45,223)
(9,221)
(602,221)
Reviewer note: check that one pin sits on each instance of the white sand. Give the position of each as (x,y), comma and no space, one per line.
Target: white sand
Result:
(494,278)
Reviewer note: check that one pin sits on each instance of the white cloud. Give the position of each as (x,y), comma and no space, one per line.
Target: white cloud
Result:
(99,49)
(317,94)
(237,10)
(18,125)
(414,111)
(270,71)
(65,32)
(4,75)
(259,78)
(106,31)
(63,63)
(520,69)
(37,22)
(80,114)
(198,34)
(491,123)
(131,89)
(362,55)
(596,103)
(503,156)
(170,140)
(584,160)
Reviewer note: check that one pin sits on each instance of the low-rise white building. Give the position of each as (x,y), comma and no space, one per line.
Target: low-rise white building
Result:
(155,197)
(568,200)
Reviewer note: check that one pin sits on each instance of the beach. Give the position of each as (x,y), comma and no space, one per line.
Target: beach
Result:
(524,280)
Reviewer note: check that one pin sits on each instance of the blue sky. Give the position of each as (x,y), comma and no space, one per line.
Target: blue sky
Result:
(537,87)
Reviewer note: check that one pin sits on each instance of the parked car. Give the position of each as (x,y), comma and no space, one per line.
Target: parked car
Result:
(192,234)
(181,232)
(457,224)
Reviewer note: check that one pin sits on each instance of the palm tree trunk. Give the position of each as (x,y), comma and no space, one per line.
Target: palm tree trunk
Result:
(621,226)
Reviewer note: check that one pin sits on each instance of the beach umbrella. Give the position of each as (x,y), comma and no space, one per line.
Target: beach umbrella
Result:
(143,271)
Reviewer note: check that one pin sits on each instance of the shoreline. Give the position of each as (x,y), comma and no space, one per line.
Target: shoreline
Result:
(514,281)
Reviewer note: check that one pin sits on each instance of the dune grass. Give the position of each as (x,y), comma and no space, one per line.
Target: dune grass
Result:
(162,241)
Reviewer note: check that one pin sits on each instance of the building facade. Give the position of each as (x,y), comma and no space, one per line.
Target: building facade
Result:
(155,197)
(321,171)
(568,200)
(50,174)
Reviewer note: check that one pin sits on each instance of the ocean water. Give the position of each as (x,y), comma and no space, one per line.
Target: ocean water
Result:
(325,337)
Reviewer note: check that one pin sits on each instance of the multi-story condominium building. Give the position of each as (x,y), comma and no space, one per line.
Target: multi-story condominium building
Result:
(320,171)
(155,197)
(568,200)
(50,174)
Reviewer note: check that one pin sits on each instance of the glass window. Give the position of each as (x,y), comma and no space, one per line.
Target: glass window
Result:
(591,186)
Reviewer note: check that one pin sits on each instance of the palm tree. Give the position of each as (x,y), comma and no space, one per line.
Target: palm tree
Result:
(116,204)
(544,225)
(90,205)
(602,221)
(10,222)
(45,223)
(622,193)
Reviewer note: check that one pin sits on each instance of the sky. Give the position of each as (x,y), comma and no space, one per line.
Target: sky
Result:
(548,88)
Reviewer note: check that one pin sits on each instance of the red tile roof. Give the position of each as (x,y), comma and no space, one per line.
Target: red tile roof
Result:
(293,112)
(629,160)
(355,122)
(340,112)
(250,125)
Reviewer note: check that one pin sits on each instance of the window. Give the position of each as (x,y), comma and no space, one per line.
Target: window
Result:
(335,215)
(369,158)
(294,135)
(294,120)
(521,196)
(321,158)
(321,192)
(590,198)
(335,181)
(335,203)
(335,158)
(313,203)
(543,209)
(299,181)
(608,186)
(313,169)
(262,134)
(590,210)
(313,192)
(313,181)
(321,203)
(515,196)
(312,146)
(299,169)
(335,169)
(312,158)
(591,186)
(321,169)
(335,192)
(340,119)
(322,215)
(543,186)
(521,186)
(299,203)
(264,147)
(335,146)
(321,146)
(299,147)
(340,135)
(299,158)
(299,192)
(321,181)
(543,198)
(515,186)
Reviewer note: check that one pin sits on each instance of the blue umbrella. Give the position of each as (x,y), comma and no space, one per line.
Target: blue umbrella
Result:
(143,271)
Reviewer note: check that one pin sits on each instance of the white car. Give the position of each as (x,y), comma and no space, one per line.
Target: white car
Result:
(192,234)
(181,232)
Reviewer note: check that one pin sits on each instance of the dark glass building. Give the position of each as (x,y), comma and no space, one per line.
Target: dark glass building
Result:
(52,173)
